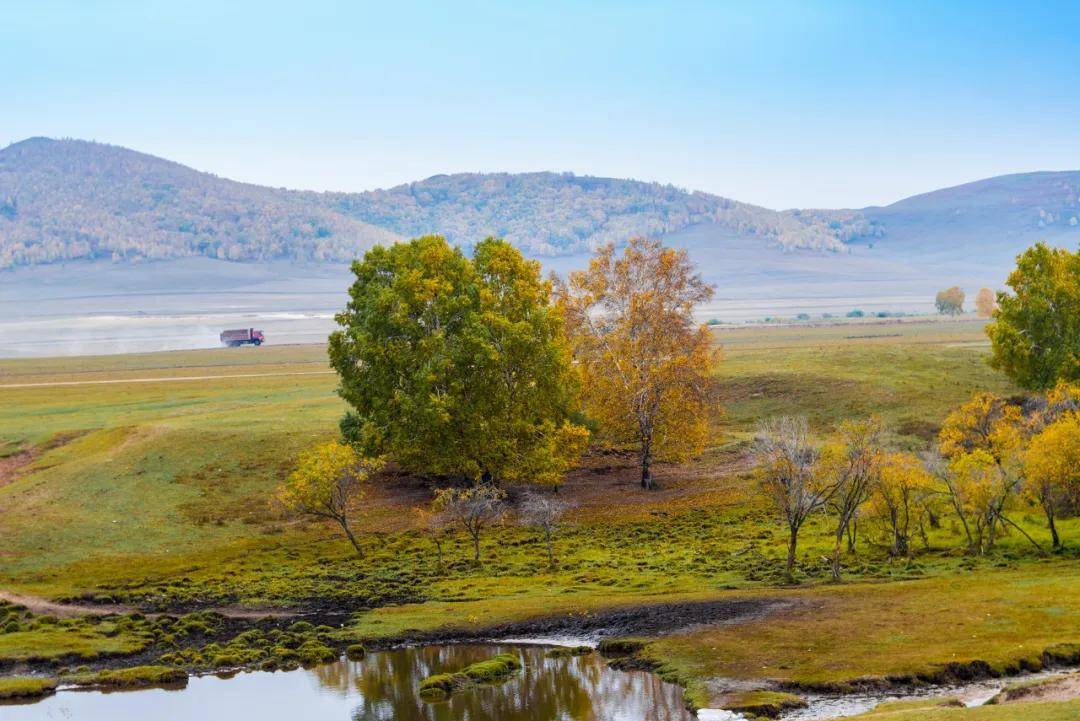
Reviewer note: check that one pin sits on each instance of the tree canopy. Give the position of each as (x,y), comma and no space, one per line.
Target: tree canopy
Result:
(1036,333)
(644,361)
(950,301)
(326,484)
(456,366)
(985,303)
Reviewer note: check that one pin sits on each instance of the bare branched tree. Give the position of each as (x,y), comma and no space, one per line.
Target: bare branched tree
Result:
(787,469)
(546,514)
(474,508)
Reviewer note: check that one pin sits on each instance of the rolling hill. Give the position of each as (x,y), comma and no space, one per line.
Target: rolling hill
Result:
(64,200)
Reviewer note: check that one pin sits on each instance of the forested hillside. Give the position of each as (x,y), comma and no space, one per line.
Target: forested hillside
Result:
(560,213)
(69,199)
(64,200)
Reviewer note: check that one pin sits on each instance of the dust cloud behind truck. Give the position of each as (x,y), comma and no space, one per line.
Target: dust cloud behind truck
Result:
(242,336)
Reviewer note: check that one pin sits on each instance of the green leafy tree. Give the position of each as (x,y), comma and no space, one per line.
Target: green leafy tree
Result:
(457,367)
(1036,331)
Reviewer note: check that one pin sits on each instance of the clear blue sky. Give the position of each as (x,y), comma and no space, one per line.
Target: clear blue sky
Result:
(779,103)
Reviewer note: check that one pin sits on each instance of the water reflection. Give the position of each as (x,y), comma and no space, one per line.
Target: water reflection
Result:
(383,687)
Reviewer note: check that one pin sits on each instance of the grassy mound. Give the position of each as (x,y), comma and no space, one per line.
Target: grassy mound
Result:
(134,677)
(569,651)
(442,685)
(26,687)
(495,669)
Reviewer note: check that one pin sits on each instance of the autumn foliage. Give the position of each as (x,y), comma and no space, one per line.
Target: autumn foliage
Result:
(327,484)
(642,359)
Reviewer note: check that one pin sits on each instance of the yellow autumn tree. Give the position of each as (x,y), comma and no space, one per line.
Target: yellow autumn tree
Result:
(851,464)
(976,484)
(985,303)
(643,360)
(986,427)
(1052,463)
(326,484)
(900,499)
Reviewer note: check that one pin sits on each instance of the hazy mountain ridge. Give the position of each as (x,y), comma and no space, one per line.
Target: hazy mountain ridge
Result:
(67,199)
(560,213)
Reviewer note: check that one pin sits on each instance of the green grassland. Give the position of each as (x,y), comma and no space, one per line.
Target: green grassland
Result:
(158,493)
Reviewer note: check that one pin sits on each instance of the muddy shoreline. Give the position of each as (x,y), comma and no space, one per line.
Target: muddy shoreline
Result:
(650,620)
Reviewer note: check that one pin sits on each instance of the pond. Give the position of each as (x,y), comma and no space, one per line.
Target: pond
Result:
(383,687)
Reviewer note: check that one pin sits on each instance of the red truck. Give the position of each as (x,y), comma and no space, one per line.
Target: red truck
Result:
(242,336)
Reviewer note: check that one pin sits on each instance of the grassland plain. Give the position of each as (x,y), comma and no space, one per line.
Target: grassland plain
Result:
(129,484)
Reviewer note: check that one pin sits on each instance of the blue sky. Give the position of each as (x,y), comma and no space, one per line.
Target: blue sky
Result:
(785,104)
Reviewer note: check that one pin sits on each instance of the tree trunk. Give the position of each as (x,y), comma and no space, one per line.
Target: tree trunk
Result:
(836,551)
(1023,533)
(646,467)
(476,546)
(852,533)
(792,543)
(351,537)
(438,553)
(1055,540)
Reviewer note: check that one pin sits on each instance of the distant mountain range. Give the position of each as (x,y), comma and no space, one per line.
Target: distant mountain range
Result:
(63,200)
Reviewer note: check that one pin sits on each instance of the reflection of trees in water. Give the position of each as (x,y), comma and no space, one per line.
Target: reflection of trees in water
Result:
(572,689)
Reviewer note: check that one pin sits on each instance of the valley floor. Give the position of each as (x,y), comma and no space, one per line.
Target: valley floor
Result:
(145,481)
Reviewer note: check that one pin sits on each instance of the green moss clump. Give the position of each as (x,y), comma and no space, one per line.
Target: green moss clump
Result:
(441,685)
(494,669)
(134,677)
(620,646)
(312,652)
(568,651)
(26,687)
(355,652)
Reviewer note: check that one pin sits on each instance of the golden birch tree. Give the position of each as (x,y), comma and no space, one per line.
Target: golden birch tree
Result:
(643,360)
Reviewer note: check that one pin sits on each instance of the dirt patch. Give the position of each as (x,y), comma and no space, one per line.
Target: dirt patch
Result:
(651,620)
(17,465)
(14,466)
(1057,688)
(44,606)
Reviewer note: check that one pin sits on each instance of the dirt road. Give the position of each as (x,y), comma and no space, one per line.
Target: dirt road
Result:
(109,381)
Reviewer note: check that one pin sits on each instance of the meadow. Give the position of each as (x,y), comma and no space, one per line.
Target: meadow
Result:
(147,480)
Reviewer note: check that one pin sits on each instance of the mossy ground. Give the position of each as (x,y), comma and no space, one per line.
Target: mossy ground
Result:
(25,687)
(133,677)
(157,494)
